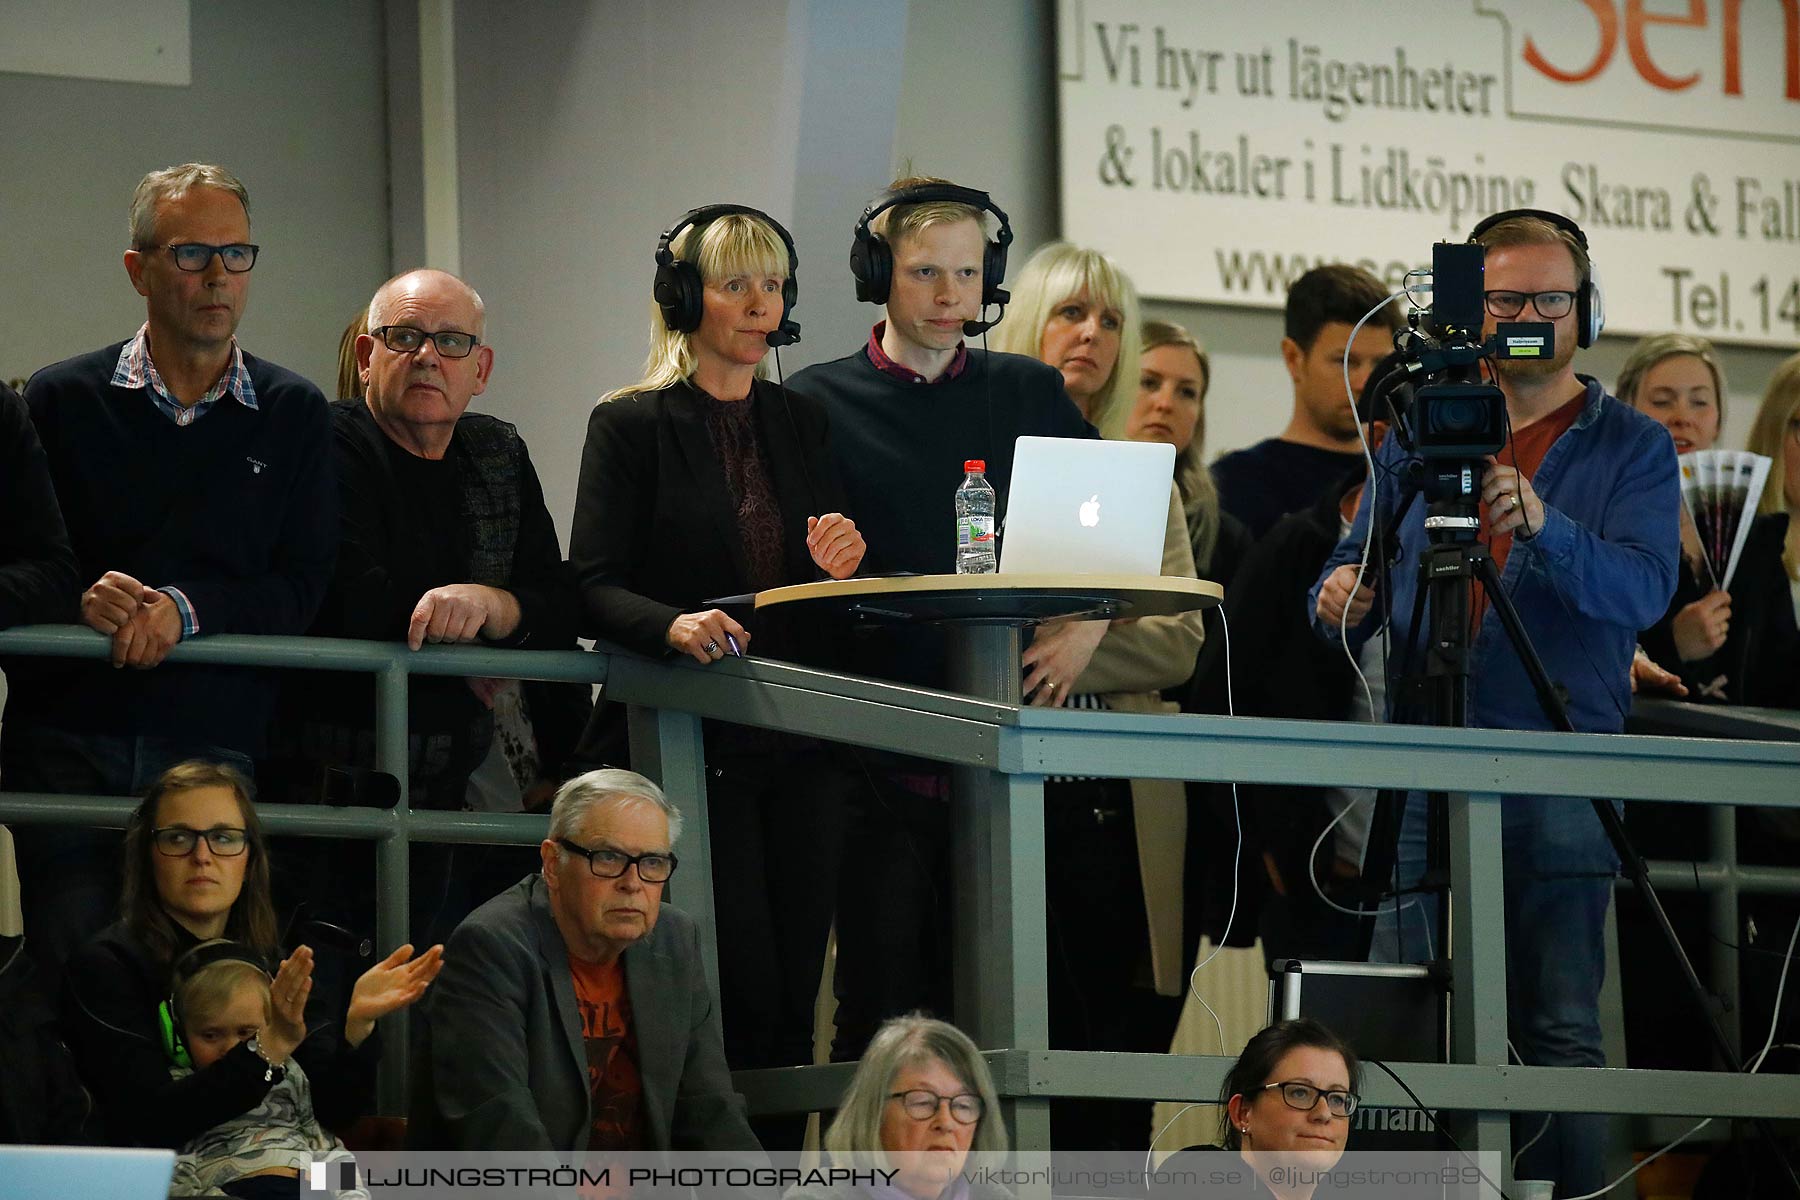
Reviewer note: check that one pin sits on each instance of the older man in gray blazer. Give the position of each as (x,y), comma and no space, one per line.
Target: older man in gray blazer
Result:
(573,1013)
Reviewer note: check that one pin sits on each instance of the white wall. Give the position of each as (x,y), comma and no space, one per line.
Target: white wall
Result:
(586,131)
(586,128)
(288,96)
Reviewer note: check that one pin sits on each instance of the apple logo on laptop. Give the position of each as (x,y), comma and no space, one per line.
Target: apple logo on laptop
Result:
(1090,511)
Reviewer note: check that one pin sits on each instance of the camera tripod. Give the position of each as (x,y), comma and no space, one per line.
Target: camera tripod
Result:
(1448,568)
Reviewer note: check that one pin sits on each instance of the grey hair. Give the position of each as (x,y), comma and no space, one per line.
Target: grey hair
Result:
(1658,347)
(854,1137)
(372,321)
(576,798)
(172,183)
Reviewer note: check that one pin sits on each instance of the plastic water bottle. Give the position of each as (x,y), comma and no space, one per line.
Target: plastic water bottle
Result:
(975,522)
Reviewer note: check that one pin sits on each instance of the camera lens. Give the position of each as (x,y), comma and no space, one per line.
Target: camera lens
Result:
(1458,415)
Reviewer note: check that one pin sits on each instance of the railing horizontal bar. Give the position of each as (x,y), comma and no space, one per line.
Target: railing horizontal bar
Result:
(1450,1086)
(1263,750)
(111,812)
(1761,880)
(493,829)
(645,672)
(324,654)
(307,820)
(877,716)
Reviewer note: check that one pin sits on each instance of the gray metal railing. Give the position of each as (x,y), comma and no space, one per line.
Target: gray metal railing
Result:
(1002,754)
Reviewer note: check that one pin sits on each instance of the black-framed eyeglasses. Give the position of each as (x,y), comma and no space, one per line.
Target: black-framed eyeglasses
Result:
(610,864)
(404,339)
(1304,1095)
(237,257)
(178,841)
(922,1104)
(1549,305)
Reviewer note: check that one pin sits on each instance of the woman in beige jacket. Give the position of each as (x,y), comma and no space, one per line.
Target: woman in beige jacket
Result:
(1114,848)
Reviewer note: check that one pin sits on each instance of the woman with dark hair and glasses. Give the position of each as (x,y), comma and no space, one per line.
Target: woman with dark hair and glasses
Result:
(196,868)
(1287,1102)
(921,1102)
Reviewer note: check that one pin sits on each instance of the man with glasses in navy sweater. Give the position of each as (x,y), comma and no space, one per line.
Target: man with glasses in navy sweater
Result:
(196,482)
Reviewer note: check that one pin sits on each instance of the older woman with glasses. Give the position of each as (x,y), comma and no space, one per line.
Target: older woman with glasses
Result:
(920,1104)
(196,868)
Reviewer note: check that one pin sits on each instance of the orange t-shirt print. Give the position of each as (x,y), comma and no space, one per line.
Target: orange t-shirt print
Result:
(614,1084)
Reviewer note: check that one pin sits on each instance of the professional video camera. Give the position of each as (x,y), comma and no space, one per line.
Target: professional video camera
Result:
(1443,411)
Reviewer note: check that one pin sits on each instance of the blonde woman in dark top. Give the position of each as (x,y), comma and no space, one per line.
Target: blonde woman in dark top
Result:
(703,480)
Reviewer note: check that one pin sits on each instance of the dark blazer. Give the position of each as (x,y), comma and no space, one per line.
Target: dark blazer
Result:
(112,990)
(655,533)
(38,577)
(501,1063)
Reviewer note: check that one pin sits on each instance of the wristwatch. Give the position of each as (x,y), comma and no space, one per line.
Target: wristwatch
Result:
(273,1072)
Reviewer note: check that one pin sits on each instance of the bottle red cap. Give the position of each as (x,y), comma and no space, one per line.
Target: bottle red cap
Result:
(974,464)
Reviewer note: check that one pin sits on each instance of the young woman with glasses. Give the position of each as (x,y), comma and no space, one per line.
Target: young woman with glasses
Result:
(1287,1103)
(920,1104)
(196,867)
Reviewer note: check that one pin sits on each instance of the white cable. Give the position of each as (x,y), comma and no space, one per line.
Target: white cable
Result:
(1774,1022)
(1362,568)
(1238,820)
(1775,1017)
(1644,1162)
(1535,1139)
(1312,858)
(1166,1125)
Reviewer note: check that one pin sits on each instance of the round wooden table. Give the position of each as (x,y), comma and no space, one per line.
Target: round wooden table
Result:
(985,612)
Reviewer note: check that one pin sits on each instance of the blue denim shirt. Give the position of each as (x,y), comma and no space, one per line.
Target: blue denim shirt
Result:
(1602,568)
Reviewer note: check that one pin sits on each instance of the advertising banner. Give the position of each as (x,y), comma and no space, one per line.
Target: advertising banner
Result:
(1218,149)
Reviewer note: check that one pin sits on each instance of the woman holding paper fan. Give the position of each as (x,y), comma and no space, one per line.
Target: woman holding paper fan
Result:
(1677,380)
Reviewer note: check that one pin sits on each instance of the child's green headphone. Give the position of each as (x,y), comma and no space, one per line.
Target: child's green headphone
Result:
(168,1015)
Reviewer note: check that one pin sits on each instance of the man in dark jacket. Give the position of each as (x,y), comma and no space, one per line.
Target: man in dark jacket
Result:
(584,1000)
(445,538)
(196,482)
(37,567)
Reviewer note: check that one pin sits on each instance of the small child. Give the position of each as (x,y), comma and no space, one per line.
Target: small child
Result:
(264,1152)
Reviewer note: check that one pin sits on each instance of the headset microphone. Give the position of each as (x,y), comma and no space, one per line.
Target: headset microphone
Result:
(679,291)
(998,296)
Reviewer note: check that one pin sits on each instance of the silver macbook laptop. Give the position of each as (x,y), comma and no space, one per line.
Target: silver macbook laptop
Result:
(1087,507)
(59,1172)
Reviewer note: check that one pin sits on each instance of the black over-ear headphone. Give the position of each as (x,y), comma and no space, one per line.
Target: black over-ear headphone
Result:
(872,257)
(1590,305)
(186,967)
(680,292)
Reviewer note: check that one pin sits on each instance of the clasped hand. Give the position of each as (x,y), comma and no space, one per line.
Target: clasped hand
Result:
(462,612)
(143,623)
(835,544)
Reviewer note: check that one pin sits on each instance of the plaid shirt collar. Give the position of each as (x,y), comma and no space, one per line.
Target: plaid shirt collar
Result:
(887,366)
(136,370)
